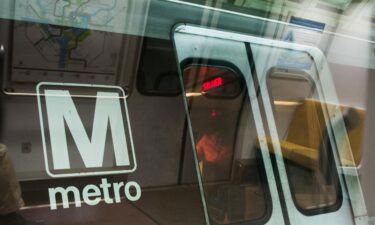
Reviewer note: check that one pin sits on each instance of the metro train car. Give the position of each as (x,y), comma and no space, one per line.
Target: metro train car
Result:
(184,112)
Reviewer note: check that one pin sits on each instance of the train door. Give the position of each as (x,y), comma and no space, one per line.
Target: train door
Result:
(264,133)
(238,186)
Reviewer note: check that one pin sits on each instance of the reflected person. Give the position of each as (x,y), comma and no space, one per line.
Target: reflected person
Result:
(10,193)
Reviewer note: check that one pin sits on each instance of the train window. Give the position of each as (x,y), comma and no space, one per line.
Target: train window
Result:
(158,77)
(235,186)
(187,112)
(212,81)
(303,133)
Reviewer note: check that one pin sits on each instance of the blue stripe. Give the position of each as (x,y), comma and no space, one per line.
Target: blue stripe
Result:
(307,23)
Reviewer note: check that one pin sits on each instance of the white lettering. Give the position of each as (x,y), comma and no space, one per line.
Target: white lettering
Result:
(92,195)
(87,194)
(137,191)
(64,196)
(116,188)
(105,186)
(60,108)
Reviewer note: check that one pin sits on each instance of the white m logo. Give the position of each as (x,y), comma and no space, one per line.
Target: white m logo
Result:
(110,112)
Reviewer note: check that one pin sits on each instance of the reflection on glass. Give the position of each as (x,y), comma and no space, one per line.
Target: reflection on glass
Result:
(158,77)
(38,52)
(229,162)
(304,141)
(10,192)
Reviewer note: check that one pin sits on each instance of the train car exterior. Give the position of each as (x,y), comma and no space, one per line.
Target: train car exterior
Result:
(181,112)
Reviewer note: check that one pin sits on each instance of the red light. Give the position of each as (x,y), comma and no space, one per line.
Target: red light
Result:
(213,113)
(217,82)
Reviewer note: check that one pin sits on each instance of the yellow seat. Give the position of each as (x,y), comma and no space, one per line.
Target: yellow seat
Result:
(306,132)
(304,156)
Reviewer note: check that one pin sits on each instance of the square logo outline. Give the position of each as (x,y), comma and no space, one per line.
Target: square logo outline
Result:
(81,174)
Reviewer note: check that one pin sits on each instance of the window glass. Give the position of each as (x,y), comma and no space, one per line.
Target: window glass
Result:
(86,153)
(187,112)
(158,78)
(234,185)
(212,81)
(304,140)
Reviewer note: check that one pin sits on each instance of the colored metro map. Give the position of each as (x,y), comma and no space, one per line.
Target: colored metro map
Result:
(93,14)
(58,51)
